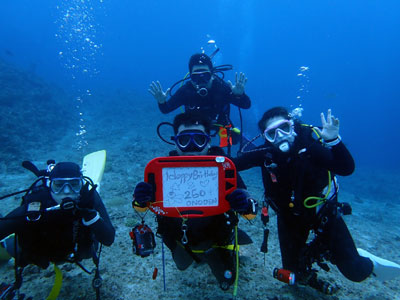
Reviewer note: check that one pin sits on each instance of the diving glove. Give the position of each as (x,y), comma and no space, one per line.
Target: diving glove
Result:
(142,195)
(241,202)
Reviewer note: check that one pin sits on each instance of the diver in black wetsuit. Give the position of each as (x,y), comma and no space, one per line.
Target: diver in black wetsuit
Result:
(205,92)
(208,238)
(295,167)
(62,218)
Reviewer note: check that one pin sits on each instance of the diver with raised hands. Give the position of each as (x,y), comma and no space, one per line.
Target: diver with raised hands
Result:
(61,219)
(299,165)
(204,91)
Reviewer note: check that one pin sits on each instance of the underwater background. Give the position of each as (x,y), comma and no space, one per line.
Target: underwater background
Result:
(74,77)
(351,50)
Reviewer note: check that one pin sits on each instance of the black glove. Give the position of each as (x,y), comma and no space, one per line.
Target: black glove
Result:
(143,194)
(85,205)
(239,200)
(86,198)
(89,216)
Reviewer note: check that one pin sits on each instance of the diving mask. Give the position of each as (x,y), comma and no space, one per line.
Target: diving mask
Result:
(278,129)
(201,77)
(191,141)
(57,185)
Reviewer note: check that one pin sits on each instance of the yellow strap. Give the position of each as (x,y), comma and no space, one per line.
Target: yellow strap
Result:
(57,284)
(235,285)
(227,247)
(198,251)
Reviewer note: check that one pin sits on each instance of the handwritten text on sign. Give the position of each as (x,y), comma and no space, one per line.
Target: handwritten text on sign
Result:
(190,187)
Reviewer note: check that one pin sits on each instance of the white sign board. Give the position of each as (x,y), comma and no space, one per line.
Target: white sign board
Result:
(190,186)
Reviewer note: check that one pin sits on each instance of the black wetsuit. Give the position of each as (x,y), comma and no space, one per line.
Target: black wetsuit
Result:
(202,234)
(289,178)
(216,105)
(51,238)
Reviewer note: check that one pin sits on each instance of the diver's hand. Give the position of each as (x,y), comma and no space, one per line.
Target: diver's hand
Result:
(142,195)
(330,127)
(157,92)
(85,205)
(239,200)
(238,88)
(89,216)
(86,199)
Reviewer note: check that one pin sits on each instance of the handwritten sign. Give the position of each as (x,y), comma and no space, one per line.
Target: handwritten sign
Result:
(190,186)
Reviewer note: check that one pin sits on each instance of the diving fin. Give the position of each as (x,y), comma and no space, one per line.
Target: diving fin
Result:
(7,248)
(31,167)
(93,166)
(383,269)
(243,238)
(4,256)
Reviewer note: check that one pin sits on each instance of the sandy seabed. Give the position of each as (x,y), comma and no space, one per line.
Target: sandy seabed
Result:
(130,144)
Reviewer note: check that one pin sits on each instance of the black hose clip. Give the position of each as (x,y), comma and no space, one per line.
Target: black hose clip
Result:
(264,245)
(344,208)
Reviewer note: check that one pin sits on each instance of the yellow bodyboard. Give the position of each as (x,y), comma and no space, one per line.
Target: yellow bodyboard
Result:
(93,166)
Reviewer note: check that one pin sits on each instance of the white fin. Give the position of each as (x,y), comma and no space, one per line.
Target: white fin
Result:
(93,166)
(383,269)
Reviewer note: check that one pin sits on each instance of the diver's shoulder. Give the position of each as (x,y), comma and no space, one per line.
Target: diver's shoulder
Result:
(173,153)
(215,150)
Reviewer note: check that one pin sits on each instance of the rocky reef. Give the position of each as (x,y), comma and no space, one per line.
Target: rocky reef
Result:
(32,112)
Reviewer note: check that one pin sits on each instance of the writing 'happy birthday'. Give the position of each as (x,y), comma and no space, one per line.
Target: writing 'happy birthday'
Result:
(190,187)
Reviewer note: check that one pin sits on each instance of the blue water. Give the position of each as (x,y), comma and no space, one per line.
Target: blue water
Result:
(350,47)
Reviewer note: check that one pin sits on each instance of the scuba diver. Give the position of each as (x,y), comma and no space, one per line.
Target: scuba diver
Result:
(299,163)
(61,219)
(205,92)
(209,239)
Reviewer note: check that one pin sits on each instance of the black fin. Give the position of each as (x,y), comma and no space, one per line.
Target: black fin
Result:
(243,238)
(31,167)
